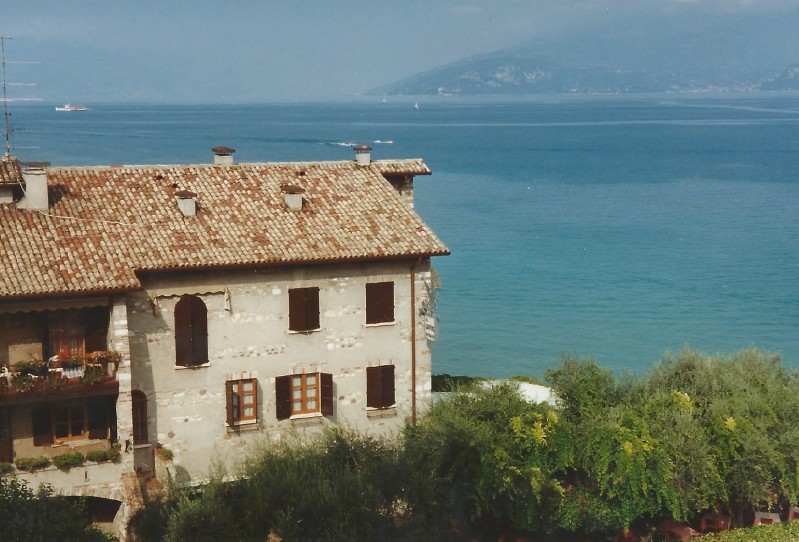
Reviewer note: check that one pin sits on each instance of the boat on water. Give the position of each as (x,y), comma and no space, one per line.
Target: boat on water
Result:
(71,107)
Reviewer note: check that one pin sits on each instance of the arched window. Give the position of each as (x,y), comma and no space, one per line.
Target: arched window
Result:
(191,332)
(140,434)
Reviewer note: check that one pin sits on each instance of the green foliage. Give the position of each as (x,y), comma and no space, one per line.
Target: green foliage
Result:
(166,454)
(31,464)
(41,515)
(781,532)
(68,460)
(446,382)
(101,456)
(6,468)
(31,367)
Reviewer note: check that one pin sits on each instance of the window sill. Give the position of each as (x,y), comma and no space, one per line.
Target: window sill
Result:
(314,418)
(248,425)
(381,324)
(143,445)
(192,367)
(303,332)
(387,412)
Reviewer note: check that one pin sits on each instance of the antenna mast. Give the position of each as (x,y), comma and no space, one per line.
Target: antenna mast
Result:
(6,114)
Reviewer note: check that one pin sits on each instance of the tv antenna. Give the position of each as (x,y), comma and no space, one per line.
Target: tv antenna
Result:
(6,99)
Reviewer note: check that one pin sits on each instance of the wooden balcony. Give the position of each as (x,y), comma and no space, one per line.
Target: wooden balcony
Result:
(38,381)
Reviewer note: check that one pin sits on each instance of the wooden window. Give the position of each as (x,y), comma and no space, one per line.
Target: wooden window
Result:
(242,401)
(380,386)
(6,438)
(303,309)
(191,332)
(379,302)
(307,393)
(77,420)
(77,332)
(140,432)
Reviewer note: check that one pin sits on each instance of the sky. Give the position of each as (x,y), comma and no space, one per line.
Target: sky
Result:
(173,51)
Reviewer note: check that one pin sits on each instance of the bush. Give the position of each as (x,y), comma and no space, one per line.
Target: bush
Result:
(781,532)
(101,456)
(31,464)
(5,468)
(165,453)
(68,460)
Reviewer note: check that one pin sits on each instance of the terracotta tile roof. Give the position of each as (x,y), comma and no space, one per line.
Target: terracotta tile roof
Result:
(10,173)
(106,223)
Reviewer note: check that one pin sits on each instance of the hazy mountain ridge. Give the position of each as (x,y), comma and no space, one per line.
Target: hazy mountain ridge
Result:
(514,72)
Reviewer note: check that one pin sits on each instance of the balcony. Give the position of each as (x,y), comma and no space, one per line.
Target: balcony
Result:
(61,377)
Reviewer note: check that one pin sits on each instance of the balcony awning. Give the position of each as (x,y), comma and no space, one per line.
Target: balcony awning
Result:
(54,304)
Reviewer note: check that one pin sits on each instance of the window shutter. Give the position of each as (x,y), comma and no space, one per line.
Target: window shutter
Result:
(296,310)
(387,386)
(229,402)
(95,328)
(283,397)
(140,432)
(98,418)
(327,393)
(42,427)
(199,331)
(312,308)
(373,387)
(183,332)
(379,302)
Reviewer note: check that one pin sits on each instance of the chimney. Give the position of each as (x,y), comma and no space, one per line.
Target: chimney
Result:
(186,202)
(293,196)
(223,156)
(363,155)
(34,175)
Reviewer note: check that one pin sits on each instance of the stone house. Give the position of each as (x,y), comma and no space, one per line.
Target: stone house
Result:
(204,308)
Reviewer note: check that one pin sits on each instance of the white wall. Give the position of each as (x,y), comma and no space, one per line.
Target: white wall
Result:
(248,335)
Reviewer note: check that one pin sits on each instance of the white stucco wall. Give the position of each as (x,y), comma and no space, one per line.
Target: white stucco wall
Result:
(248,336)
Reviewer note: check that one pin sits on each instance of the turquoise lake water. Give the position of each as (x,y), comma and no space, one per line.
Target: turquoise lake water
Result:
(612,227)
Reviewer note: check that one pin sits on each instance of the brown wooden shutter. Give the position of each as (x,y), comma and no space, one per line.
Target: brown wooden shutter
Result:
(326,380)
(379,302)
(311,308)
(6,437)
(98,418)
(387,385)
(199,331)
(183,334)
(42,426)
(140,430)
(296,309)
(283,397)
(95,328)
(229,403)
(373,387)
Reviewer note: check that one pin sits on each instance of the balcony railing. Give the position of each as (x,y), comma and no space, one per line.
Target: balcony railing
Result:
(35,379)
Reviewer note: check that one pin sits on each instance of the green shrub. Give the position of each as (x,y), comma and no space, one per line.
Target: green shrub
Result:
(101,456)
(781,532)
(5,468)
(31,464)
(68,460)
(166,454)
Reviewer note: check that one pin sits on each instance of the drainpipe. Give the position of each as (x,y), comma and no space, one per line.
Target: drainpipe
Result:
(413,340)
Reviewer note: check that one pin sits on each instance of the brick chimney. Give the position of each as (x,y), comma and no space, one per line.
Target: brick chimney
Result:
(34,175)
(223,156)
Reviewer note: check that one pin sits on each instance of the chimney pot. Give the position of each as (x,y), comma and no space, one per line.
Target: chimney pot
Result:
(223,156)
(363,155)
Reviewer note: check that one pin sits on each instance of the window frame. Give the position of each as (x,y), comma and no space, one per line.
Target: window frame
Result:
(380,387)
(304,309)
(380,303)
(235,404)
(284,395)
(191,332)
(98,421)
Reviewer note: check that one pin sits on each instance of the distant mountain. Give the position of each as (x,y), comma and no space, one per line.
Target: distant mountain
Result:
(787,80)
(520,71)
